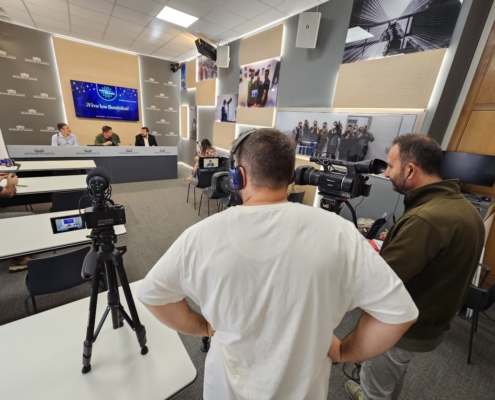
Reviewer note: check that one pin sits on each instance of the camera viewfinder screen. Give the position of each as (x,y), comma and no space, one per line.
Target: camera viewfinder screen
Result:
(66,224)
(210,162)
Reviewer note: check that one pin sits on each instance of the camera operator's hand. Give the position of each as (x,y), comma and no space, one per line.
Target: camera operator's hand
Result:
(334,351)
(3,175)
(12,180)
(209,330)
(383,235)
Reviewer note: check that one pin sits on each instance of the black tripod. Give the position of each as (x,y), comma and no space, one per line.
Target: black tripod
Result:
(105,256)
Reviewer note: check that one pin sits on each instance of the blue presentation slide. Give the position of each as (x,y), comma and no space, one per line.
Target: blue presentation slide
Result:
(94,100)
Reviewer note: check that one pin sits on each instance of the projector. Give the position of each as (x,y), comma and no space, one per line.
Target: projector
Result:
(206,49)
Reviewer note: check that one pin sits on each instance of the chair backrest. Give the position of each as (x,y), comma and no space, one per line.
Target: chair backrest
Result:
(53,274)
(204,178)
(296,197)
(375,228)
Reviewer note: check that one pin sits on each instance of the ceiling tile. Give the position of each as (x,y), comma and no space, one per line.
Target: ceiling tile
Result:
(164,26)
(24,22)
(87,38)
(50,22)
(150,40)
(176,47)
(17,14)
(101,6)
(55,29)
(246,9)
(293,7)
(131,15)
(216,2)
(183,40)
(86,23)
(196,8)
(88,14)
(189,54)
(207,28)
(129,26)
(121,32)
(119,41)
(47,13)
(268,17)
(273,3)
(88,31)
(144,6)
(227,37)
(167,52)
(247,27)
(162,57)
(154,34)
(15,4)
(224,18)
(57,5)
(142,48)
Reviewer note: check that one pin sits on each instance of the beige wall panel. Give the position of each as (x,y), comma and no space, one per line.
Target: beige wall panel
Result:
(256,116)
(262,46)
(206,92)
(183,121)
(478,137)
(191,74)
(392,82)
(78,61)
(223,135)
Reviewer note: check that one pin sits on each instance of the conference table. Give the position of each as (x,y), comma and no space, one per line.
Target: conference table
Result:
(53,165)
(49,184)
(43,357)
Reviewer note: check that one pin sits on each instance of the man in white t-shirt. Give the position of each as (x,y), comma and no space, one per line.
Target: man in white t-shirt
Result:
(270,305)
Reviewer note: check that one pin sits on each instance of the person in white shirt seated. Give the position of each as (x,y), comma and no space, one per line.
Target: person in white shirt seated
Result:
(145,139)
(270,307)
(64,137)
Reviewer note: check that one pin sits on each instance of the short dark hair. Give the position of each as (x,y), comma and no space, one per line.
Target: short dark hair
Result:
(269,158)
(421,150)
(147,130)
(60,125)
(106,128)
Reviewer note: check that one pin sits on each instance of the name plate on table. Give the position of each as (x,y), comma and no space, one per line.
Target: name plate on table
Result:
(17,151)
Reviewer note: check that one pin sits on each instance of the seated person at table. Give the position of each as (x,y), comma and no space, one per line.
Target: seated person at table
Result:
(64,137)
(207,150)
(145,139)
(17,263)
(107,137)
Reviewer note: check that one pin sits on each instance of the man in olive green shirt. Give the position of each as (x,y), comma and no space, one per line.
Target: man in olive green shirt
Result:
(435,248)
(107,138)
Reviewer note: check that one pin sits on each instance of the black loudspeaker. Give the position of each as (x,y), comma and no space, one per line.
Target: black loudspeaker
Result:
(174,67)
(206,49)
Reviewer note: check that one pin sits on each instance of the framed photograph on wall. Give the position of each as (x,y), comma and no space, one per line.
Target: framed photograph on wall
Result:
(227,108)
(193,122)
(183,76)
(205,69)
(258,83)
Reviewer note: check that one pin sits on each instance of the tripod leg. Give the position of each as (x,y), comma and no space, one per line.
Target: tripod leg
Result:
(138,328)
(113,294)
(88,343)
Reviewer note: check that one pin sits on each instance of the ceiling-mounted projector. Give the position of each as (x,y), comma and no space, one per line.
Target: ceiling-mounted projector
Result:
(205,48)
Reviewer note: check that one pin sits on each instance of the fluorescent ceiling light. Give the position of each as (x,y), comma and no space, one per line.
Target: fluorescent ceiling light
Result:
(176,17)
(357,33)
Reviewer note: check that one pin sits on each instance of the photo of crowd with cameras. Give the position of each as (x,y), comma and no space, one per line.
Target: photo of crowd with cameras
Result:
(343,136)
(258,84)
(205,69)
(382,28)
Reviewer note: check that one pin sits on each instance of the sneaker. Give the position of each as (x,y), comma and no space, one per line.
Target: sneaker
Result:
(19,265)
(353,390)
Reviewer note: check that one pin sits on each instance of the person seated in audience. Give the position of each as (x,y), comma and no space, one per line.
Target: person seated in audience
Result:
(207,150)
(145,139)
(9,190)
(271,309)
(64,137)
(107,137)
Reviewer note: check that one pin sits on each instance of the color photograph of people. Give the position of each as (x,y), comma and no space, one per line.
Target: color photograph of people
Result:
(227,108)
(258,84)
(193,122)
(206,69)
(183,76)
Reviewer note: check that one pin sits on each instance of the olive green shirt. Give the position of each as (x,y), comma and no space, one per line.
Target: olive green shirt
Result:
(100,139)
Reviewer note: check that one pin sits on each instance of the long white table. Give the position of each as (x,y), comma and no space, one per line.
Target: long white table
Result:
(42,357)
(52,165)
(33,233)
(49,184)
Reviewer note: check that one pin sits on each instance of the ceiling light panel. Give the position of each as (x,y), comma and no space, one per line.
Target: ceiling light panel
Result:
(176,17)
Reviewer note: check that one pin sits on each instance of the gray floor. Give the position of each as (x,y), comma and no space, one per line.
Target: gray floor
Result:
(157,214)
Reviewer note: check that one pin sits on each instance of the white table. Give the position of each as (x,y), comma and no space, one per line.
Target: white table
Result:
(33,233)
(49,184)
(42,357)
(50,165)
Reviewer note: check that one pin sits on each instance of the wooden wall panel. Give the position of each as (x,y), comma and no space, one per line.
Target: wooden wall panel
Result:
(481,124)
(79,61)
(183,122)
(191,74)
(206,92)
(392,82)
(223,135)
(256,116)
(262,46)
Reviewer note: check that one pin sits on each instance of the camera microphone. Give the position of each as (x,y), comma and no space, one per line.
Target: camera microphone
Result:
(100,172)
(98,181)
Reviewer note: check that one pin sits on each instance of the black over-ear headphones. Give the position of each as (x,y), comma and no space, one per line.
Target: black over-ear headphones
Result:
(235,175)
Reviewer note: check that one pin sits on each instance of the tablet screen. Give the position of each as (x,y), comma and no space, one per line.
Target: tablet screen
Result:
(66,224)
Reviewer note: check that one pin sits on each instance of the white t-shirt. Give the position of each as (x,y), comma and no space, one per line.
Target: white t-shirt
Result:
(274,281)
(146,142)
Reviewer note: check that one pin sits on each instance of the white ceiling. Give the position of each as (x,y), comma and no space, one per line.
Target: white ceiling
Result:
(131,24)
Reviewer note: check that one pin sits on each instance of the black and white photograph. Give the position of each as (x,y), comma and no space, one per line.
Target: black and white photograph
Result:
(227,108)
(193,122)
(206,69)
(344,136)
(382,28)
(258,83)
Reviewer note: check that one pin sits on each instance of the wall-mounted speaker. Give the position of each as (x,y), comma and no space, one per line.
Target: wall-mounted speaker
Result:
(223,56)
(307,30)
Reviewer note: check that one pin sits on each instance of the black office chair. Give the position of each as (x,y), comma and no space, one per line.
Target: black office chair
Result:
(375,228)
(296,197)
(211,195)
(478,300)
(202,181)
(54,274)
